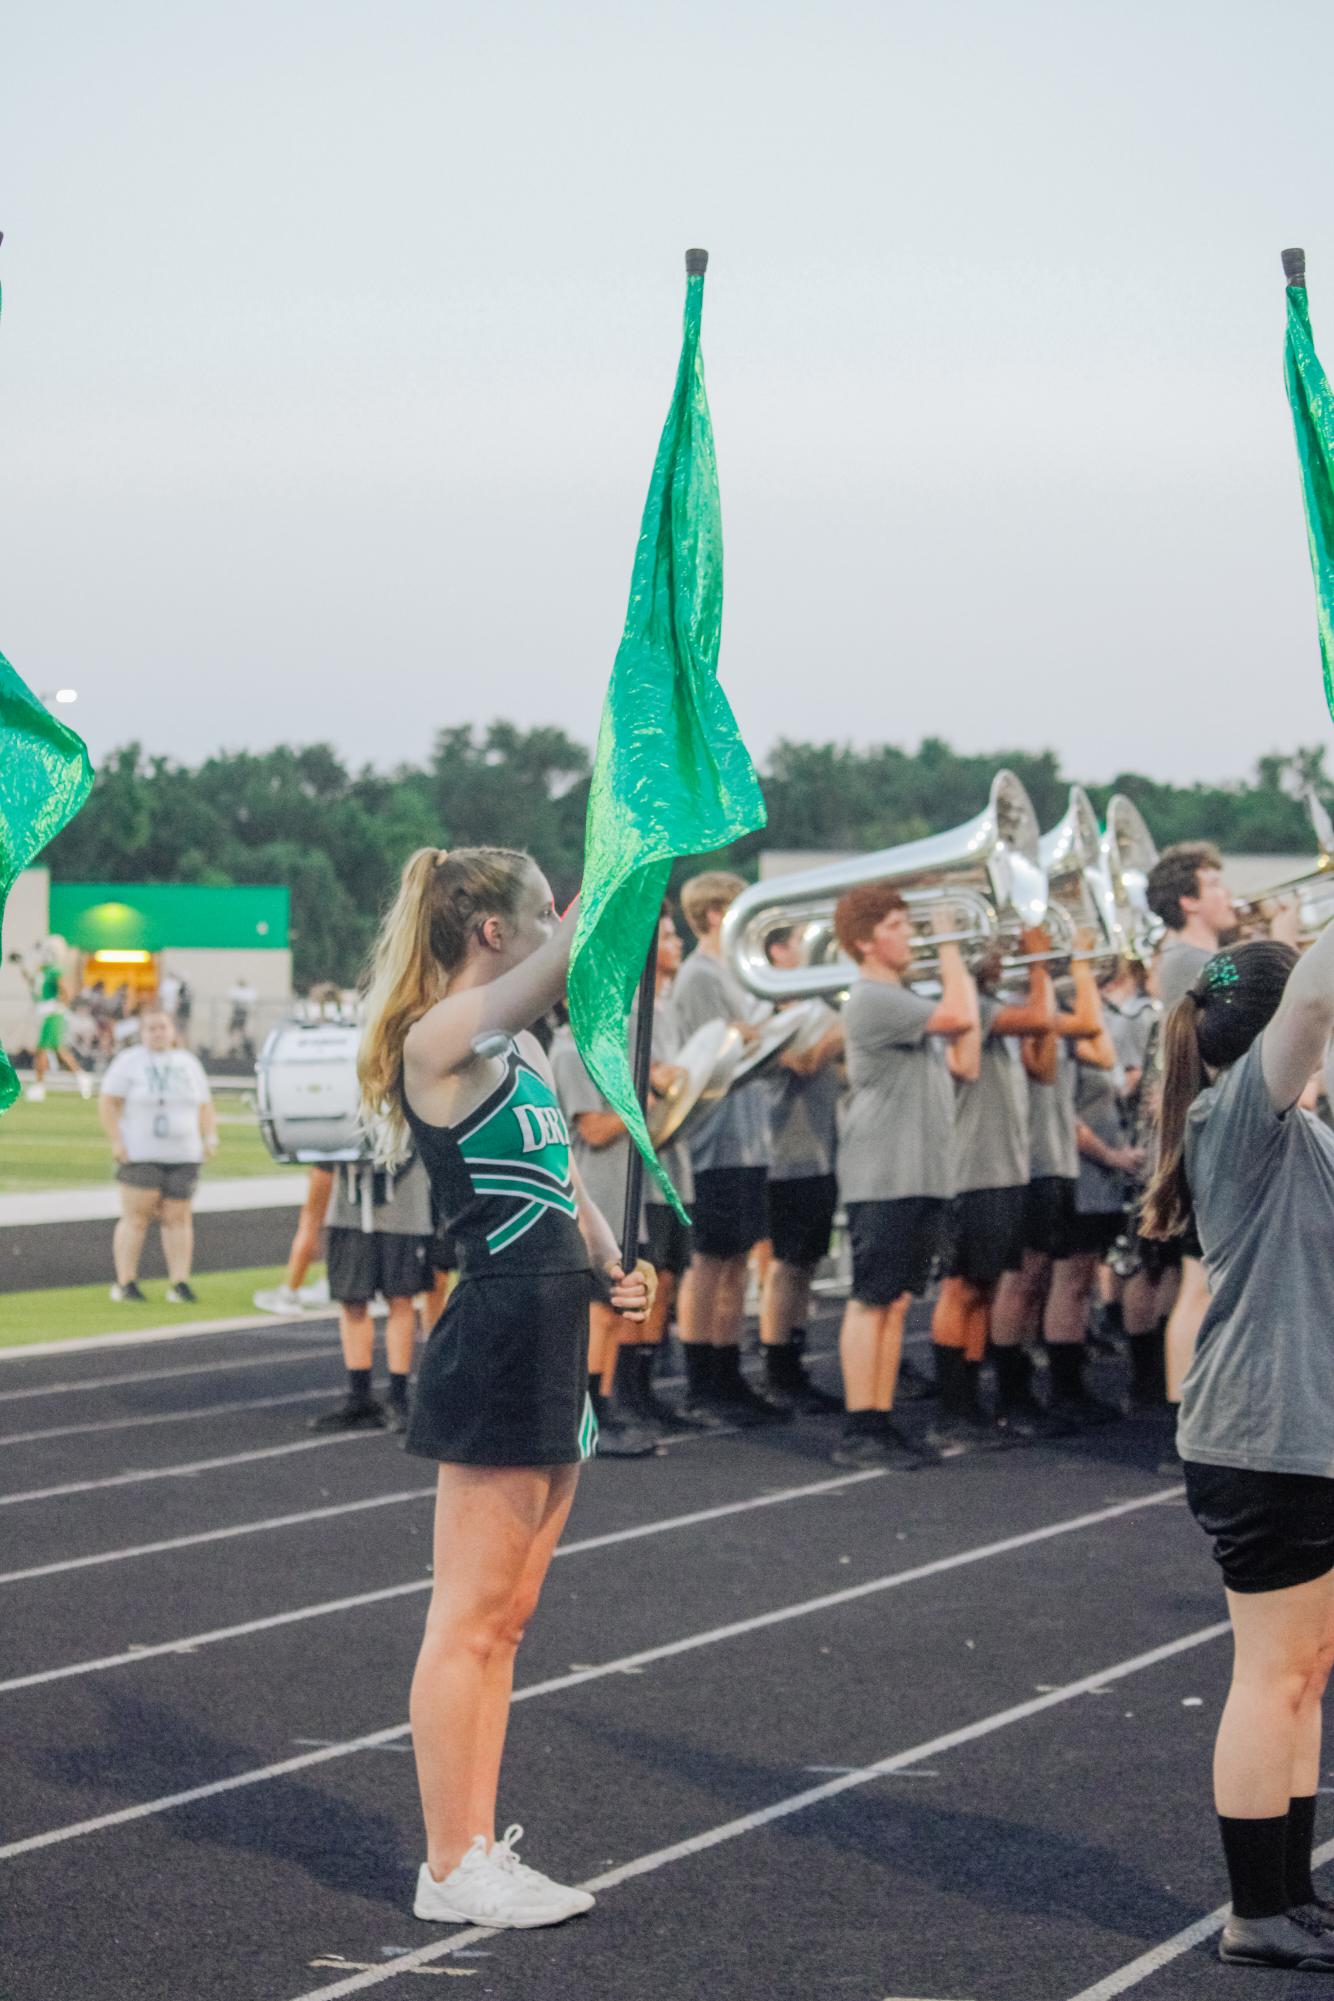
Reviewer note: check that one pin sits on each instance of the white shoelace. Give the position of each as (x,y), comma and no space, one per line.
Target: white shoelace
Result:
(505,1859)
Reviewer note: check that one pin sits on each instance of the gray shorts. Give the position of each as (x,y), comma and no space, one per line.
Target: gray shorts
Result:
(176,1179)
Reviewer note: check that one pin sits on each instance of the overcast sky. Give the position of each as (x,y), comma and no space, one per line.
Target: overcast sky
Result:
(337,340)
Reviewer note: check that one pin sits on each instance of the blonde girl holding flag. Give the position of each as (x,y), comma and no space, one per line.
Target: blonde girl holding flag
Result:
(470,955)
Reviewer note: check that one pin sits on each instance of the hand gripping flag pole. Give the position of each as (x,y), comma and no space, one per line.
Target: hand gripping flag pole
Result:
(45,776)
(671,776)
(1312,404)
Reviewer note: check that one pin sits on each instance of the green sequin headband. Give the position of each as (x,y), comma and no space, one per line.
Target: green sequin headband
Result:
(1217,981)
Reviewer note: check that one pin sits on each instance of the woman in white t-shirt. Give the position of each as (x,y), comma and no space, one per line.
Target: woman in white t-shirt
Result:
(157,1112)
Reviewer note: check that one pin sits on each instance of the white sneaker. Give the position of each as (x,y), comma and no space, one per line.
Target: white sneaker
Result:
(85,1084)
(36,1093)
(315,1294)
(478,1893)
(280,1299)
(505,1859)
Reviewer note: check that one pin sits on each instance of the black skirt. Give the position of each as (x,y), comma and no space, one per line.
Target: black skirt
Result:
(503,1379)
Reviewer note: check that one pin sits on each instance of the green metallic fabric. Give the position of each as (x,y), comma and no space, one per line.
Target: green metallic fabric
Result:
(672,775)
(44,779)
(1312,403)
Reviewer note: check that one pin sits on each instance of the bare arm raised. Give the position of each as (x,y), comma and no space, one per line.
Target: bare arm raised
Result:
(1295,1041)
(441,1042)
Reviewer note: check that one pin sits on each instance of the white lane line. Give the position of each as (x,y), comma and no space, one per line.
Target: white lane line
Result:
(169,1543)
(190,1644)
(325,1390)
(671,1650)
(749,1823)
(244,1365)
(87,1344)
(1159,1956)
(180,1472)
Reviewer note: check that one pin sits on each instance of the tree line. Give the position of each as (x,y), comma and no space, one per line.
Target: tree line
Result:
(338,837)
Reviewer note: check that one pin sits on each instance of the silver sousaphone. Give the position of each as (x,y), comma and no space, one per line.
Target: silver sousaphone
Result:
(985,876)
(1129,853)
(1080,886)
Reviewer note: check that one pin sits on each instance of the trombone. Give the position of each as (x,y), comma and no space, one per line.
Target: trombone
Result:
(1313,888)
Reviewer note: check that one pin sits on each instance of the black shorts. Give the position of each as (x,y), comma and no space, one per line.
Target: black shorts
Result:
(1270,1530)
(1049,1206)
(1095,1232)
(503,1379)
(801,1218)
(983,1234)
(894,1245)
(729,1210)
(361,1263)
(669,1239)
(1158,1256)
(174,1179)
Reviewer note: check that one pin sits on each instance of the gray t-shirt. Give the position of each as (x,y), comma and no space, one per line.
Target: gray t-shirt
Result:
(400,1203)
(1260,1392)
(896,1130)
(736,1132)
(603,1169)
(1101,1190)
(991,1116)
(1178,969)
(675,1157)
(803,1122)
(1130,1025)
(1052,1149)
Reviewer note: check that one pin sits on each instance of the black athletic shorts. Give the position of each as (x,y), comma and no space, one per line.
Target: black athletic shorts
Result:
(1270,1530)
(894,1245)
(1095,1232)
(1049,1206)
(503,1379)
(669,1239)
(361,1263)
(174,1179)
(983,1234)
(729,1210)
(801,1218)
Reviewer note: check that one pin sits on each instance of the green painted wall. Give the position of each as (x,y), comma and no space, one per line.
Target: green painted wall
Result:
(155,917)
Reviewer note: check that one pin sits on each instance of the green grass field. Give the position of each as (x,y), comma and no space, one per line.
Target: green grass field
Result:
(68,1312)
(60,1144)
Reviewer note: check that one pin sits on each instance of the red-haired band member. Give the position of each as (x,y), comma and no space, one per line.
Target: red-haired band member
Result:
(729,1153)
(1257,1409)
(985,1221)
(895,1166)
(1046,1288)
(469,955)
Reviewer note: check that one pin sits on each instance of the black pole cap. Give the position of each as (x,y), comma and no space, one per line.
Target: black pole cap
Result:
(697,263)
(1294,266)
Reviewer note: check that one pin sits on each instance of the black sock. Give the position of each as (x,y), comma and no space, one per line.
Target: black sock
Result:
(781,1364)
(398,1391)
(727,1369)
(1146,1362)
(596,1398)
(1066,1361)
(949,1385)
(1014,1375)
(797,1339)
(864,1423)
(1297,1849)
(1256,1855)
(359,1385)
(1110,1316)
(970,1392)
(699,1368)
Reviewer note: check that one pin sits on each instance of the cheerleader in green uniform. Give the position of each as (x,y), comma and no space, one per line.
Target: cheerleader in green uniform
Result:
(48,991)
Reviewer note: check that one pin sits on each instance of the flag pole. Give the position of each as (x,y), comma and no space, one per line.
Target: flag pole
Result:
(634,1180)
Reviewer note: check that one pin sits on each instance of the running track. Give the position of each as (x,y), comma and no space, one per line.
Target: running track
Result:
(937,1737)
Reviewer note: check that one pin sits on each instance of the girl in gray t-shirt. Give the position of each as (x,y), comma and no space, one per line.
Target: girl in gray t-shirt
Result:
(1257,1411)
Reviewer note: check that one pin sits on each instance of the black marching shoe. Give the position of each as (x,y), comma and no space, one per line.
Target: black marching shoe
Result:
(699,1407)
(634,1371)
(882,1448)
(1084,1412)
(616,1438)
(787,1382)
(1297,1939)
(735,1401)
(353,1414)
(181,1294)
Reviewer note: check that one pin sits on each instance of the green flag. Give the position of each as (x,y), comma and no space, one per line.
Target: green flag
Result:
(1312,403)
(671,776)
(44,779)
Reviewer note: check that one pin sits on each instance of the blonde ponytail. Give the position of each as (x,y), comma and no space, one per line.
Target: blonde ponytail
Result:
(423,939)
